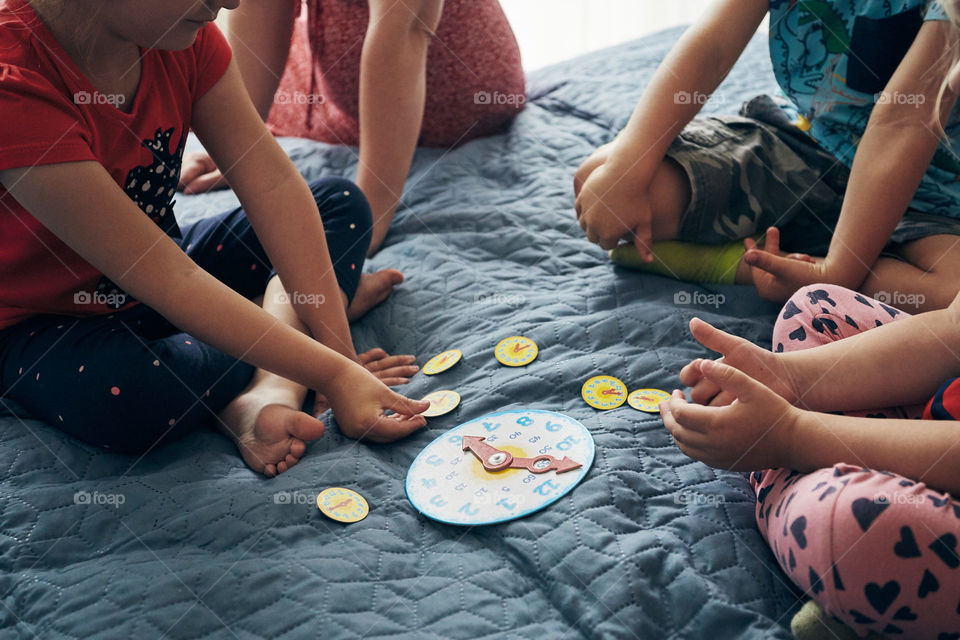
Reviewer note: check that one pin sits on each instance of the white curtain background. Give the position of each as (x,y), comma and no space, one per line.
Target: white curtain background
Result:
(553,30)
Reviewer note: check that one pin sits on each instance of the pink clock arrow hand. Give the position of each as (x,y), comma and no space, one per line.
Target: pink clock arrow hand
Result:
(494,459)
(517,348)
(544,463)
(491,458)
(609,392)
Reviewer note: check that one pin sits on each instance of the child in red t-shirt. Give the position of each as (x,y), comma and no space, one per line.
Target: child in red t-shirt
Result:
(96,106)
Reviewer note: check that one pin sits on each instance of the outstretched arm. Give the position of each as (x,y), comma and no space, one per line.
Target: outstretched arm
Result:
(278,203)
(393,82)
(82,205)
(898,364)
(761,430)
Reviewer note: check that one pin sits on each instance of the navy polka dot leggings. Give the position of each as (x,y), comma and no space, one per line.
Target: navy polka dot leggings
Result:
(131,380)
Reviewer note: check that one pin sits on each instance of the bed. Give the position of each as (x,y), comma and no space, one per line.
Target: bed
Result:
(186,542)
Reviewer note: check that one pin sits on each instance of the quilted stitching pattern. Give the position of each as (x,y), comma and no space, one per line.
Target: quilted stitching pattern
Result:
(201,547)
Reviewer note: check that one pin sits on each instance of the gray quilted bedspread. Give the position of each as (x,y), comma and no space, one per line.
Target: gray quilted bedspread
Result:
(186,542)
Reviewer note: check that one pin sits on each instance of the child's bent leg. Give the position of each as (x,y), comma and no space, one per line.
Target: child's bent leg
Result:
(874,549)
(822,313)
(669,191)
(105,380)
(743,175)
(927,278)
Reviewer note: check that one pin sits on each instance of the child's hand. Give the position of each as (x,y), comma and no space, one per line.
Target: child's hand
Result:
(756,362)
(778,277)
(392,371)
(360,401)
(611,207)
(200,174)
(756,431)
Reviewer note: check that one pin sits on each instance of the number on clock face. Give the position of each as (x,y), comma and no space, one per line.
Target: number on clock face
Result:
(451,485)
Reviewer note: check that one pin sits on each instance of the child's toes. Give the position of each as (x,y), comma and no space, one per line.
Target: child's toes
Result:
(291,460)
(297,449)
(270,470)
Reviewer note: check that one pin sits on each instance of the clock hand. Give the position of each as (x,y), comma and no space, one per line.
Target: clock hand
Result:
(544,463)
(490,457)
(494,459)
(609,392)
(517,348)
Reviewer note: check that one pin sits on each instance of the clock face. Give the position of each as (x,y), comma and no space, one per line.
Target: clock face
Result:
(451,485)
(441,362)
(516,351)
(647,400)
(441,403)
(342,504)
(604,392)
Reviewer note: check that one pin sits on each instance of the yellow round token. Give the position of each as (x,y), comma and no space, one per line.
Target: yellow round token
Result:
(442,361)
(342,505)
(647,399)
(516,351)
(441,403)
(604,392)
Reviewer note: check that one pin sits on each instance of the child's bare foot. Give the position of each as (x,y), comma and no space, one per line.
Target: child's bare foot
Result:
(374,288)
(271,436)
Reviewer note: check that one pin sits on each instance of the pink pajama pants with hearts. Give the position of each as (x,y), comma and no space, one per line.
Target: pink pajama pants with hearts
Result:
(876,550)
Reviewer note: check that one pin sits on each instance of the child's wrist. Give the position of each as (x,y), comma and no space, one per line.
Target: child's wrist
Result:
(801,448)
(623,162)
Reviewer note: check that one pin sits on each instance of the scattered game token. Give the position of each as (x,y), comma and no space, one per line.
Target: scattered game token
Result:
(516,351)
(499,467)
(342,505)
(604,392)
(647,399)
(442,361)
(441,403)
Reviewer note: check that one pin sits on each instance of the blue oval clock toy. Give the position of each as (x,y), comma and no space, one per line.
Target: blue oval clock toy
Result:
(500,467)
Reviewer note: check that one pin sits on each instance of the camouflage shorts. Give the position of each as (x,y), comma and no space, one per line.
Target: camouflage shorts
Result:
(756,170)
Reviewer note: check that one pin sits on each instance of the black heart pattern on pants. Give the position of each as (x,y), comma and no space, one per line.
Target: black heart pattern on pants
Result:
(880,598)
(798,529)
(907,546)
(928,584)
(946,549)
(866,511)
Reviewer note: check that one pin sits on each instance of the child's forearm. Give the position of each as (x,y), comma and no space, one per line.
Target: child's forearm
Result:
(689,74)
(291,231)
(229,322)
(926,451)
(889,165)
(876,368)
(260,32)
(392,97)
(279,205)
(892,157)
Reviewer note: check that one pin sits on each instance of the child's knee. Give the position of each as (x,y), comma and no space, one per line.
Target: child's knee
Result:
(802,315)
(341,202)
(596,159)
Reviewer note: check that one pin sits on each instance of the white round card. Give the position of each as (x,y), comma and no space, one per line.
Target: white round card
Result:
(499,467)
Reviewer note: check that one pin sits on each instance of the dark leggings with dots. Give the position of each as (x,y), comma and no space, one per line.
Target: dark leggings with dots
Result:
(130,380)
(875,549)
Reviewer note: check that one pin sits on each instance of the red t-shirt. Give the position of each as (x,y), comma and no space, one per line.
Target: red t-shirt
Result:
(51,114)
